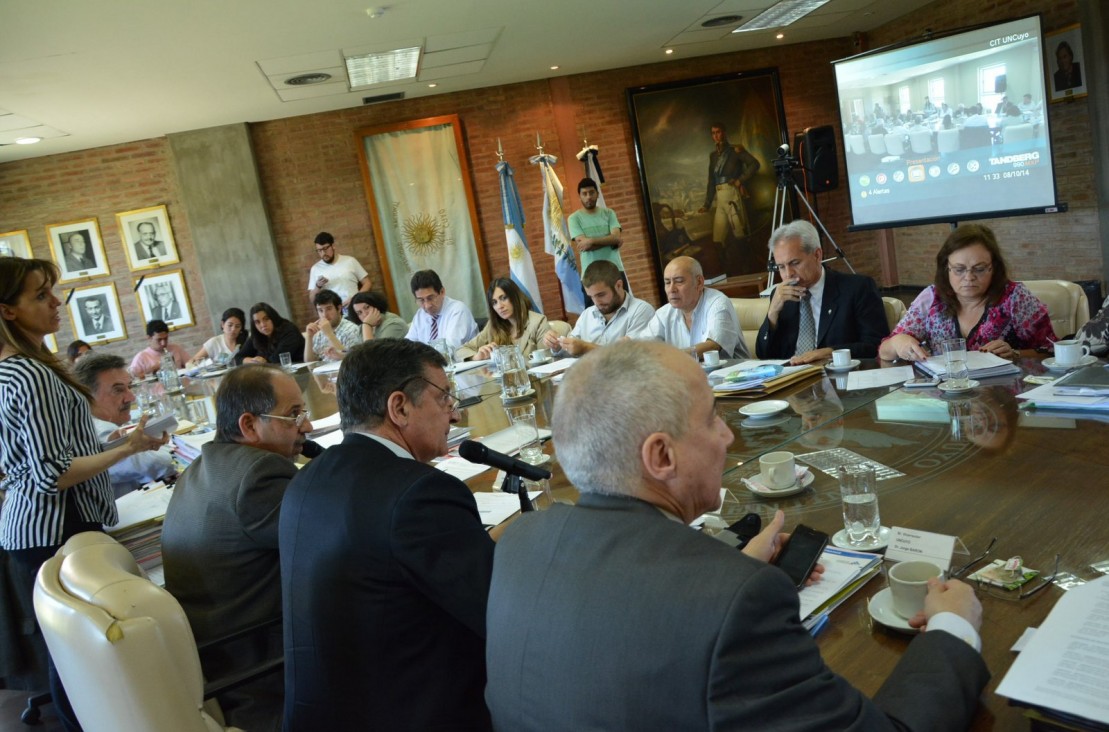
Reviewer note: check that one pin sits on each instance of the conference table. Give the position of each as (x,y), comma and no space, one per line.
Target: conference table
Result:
(974,466)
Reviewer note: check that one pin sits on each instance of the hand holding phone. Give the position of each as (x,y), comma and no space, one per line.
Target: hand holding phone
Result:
(799,556)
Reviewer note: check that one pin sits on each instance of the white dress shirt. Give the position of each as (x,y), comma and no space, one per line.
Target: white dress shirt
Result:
(630,319)
(456,324)
(713,319)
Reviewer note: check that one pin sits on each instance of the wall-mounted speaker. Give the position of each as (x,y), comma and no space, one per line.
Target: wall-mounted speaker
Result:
(815,148)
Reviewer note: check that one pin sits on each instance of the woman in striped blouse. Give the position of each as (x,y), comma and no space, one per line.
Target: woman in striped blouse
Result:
(55,481)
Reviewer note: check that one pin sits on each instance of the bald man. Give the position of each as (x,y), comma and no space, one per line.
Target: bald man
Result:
(695,316)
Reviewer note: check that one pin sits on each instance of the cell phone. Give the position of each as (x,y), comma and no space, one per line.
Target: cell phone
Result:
(920,383)
(801,553)
(746,528)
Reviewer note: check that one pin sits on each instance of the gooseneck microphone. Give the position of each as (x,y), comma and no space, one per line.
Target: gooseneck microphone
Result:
(476,452)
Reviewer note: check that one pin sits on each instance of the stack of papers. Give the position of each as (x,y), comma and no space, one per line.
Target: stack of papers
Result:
(1045,397)
(457,435)
(554,367)
(981,365)
(139,528)
(845,571)
(1090,381)
(187,447)
(758,387)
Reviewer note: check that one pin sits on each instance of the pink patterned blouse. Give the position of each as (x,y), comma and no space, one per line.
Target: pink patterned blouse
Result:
(1019,319)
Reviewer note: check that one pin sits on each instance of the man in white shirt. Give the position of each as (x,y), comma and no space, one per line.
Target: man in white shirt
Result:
(105,375)
(330,337)
(439,317)
(695,316)
(339,273)
(615,314)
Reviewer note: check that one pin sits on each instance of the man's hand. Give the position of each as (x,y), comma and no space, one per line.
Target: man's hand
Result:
(572,346)
(818,354)
(583,243)
(783,293)
(551,341)
(321,282)
(312,328)
(324,326)
(768,543)
(951,596)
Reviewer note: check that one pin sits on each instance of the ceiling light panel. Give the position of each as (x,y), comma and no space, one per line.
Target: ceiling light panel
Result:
(781,14)
(383,67)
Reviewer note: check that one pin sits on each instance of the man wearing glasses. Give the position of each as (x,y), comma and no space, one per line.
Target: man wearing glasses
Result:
(340,273)
(219,541)
(384,562)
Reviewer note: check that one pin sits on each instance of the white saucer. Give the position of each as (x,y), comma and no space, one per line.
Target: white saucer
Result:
(525,395)
(840,540)
(946,388)
(754,423)
(1052,365)
(806,479)
(881,609)
(763,409)
(853,363)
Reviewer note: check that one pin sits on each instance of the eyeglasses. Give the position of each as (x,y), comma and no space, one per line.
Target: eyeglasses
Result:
(296,419)
(977,270)
(324,248)
(963,569)
(446,400)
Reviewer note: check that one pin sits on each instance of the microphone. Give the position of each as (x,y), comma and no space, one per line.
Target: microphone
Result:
(476,452)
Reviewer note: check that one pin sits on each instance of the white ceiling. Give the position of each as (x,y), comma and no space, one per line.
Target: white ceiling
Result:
(88,73)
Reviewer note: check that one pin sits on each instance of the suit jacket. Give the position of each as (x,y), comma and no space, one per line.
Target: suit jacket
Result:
(531,339)
(173,312)
(386,568)
(157,249)
(853,317)
(91,328)
(611,616)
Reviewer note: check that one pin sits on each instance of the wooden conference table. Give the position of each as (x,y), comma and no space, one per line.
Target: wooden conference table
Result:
(1036,482)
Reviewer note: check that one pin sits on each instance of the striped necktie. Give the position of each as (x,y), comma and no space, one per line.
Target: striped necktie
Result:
(806,331)
(435,327)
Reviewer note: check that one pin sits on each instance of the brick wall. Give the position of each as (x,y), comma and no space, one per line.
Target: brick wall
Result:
(312,179)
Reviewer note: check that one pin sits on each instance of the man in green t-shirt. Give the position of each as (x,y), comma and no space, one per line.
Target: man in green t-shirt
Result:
(595,230)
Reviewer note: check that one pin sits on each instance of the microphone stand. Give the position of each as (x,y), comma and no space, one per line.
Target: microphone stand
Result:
(515,484)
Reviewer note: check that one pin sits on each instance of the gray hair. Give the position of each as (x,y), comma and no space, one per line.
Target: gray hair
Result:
(89,368)
(799,229)
(598,440)
(244,390)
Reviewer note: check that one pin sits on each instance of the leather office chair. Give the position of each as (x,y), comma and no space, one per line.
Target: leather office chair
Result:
(877,144)
(122,645)
(855,144)
(1066,304)
(947,141)
(921,142)
(895,143)
(750,311)
(894,310)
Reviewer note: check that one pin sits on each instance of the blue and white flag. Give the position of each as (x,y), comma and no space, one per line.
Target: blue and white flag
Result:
(521,268)
(557,238)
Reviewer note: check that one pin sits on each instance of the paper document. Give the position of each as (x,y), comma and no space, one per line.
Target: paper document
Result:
(1065,664)
(841,568)
(139,506)
(873,378)
(1044,397)
(496,507)
(980,364)
(458,368)
(553,367)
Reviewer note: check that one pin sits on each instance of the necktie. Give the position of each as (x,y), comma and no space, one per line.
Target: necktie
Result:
(434,327)
(806,331)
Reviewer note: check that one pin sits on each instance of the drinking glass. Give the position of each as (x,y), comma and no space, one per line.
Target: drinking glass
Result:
(859,491)
(286,360)
(514,375)
(198,412)
(526,432)
(445,350)
(955,361)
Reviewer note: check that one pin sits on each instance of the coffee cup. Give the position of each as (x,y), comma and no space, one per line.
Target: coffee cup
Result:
(712,358)
(539,355)
(909,585)
(777,470)
(841,358)
(1069,353)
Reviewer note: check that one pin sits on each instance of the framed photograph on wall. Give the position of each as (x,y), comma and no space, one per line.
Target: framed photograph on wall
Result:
(96,315)
(78,250)
(706,150)
(1065,60)
(164,297)
(147,238)
(16,244)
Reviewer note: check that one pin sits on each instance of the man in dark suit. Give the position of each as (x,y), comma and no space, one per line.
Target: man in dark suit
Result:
(384,562)
(844,310)
(219,540)
(613,615)
(93,318)
(147,247)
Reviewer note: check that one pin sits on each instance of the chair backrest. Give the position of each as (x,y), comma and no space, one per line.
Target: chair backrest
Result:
(947,140)
(1066,304)
(856,144)
(751,312)
(894,310)
(1017,133)
(895,143)
(975,137)
(921,141)
(122,645)
(877,144)
(561,327)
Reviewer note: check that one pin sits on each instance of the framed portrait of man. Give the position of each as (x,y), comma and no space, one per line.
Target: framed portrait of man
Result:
(15,244)
(164,297)
(147,238)
(96,315)
(78,250)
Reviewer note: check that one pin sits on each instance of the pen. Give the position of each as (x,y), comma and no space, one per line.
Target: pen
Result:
(819,625)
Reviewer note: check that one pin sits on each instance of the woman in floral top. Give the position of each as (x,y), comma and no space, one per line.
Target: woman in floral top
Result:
(972,298)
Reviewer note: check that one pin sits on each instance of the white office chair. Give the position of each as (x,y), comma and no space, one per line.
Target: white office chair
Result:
(1017,133)
(561,327)
(895,143)
(751,312)
(122,645)
(921,142)
(1066,302)
(947,141)
(894,310)
(877,144)
(855,144)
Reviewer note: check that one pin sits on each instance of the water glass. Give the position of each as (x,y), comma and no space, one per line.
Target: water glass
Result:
(526,432)
(955,361)
(286,360)
(859,491)
(198,412)
(445,350)
(514,374)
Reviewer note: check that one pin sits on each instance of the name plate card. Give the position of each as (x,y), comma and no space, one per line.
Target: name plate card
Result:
(914,545)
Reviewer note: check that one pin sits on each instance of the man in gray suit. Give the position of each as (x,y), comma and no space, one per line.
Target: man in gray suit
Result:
(219,541)
(613,614)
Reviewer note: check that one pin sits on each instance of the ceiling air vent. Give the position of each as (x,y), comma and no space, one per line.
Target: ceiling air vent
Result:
(383,98)
(306,79)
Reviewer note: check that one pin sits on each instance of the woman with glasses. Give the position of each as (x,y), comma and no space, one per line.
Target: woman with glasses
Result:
(972,298)
(511,321)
